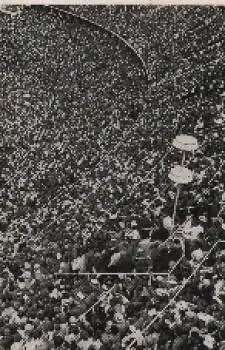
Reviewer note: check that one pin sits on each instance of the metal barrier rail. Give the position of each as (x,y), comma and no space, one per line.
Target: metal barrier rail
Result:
(185,282)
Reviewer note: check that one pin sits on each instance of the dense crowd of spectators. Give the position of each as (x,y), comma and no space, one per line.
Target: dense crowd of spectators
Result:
(85,156)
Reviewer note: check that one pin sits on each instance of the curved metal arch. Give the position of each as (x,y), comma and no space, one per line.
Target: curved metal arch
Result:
(109,31)
(5,9)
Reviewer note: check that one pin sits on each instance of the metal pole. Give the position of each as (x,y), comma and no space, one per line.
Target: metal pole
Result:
(177,196)
(175,206)
(183,158)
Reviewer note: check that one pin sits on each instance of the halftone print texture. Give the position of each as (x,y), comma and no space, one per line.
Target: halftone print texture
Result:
(112,232)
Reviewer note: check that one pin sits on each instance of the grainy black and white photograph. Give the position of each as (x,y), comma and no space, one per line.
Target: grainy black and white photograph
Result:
(112,177)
